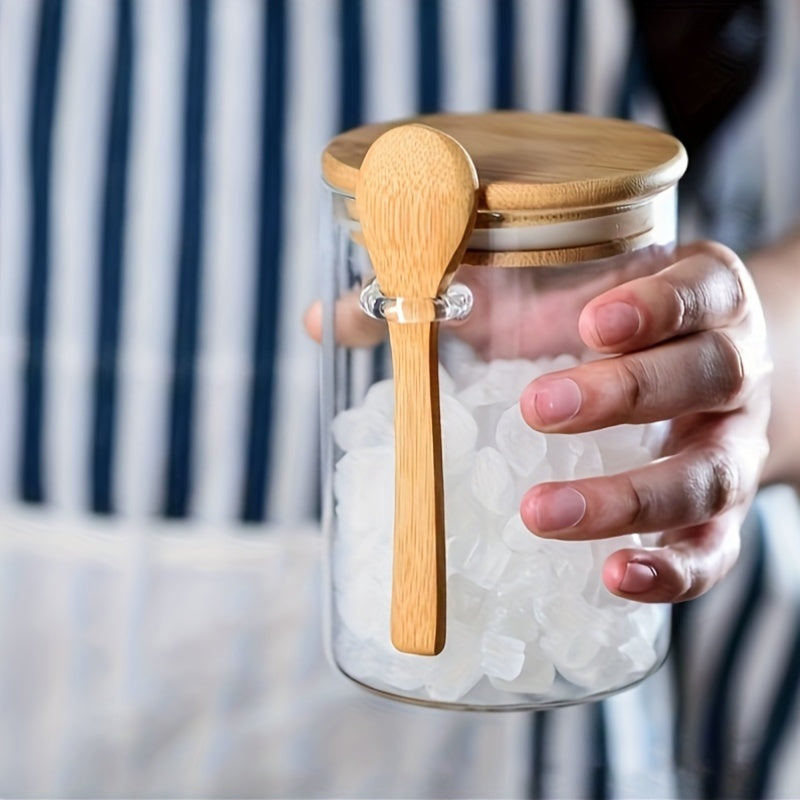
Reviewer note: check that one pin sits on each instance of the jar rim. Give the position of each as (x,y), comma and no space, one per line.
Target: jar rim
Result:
(513,239)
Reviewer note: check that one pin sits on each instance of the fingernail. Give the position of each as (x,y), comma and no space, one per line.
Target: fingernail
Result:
(559,509)
(557,400)
(637,578)
(616,322)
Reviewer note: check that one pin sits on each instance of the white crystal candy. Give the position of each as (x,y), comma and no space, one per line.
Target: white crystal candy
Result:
(518,538)
(362,427)
(608,670)
(536,676)
(648,619)
(526,576)
(464,598)
(365,607)
(370,661)
(446,383)
(501,656)
(563,452)
(590,461)
(521,610)
(574,630)
(640,652)
(653,436)
(380,397)
(363,482)
(501,383)
(522,446)
(459,664)
(481,558)
(562,615)
(491,481)
(625,447)
(459,432)
(509,612)
(469,525)
(571,563)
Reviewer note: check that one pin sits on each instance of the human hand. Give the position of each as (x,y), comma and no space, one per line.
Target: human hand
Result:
(692,349)
(688,344)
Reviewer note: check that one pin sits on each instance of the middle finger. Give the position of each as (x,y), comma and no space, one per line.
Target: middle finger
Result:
(701,372)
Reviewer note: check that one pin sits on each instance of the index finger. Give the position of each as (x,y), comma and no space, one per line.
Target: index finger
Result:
(707,288)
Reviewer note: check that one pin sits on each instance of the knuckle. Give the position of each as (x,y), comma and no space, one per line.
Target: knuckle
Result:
(721,484)
(735,270)
(690,585)
(727,292)
(686,584)
(638,503)
(696,573)
(726,367)
(729,550)
(637,383)
(687,308)
(721,291)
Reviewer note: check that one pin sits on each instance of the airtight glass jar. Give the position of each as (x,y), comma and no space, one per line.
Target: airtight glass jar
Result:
(567,207)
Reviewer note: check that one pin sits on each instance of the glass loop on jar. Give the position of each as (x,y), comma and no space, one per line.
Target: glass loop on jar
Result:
(453,305)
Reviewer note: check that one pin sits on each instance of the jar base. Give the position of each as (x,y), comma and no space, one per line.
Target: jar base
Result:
(526,702)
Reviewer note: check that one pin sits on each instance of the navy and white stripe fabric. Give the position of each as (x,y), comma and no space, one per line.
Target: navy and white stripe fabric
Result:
(160,167)
(154,191)
(159,195)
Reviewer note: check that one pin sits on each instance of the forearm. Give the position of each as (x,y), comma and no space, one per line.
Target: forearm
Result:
(776,272)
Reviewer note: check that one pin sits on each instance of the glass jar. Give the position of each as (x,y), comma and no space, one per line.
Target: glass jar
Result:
(567,207)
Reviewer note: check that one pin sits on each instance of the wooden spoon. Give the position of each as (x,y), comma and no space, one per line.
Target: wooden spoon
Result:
(416,198)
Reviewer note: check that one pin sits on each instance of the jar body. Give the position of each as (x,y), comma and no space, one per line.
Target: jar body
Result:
(529,623)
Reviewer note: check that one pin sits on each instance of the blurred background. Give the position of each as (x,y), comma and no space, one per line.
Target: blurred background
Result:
(160,588)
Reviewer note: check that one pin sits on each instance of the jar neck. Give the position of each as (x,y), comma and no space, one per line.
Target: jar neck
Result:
(551,238)
(577,228)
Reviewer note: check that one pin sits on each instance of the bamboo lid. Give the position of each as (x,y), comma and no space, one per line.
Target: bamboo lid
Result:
(535,162)
(554,188)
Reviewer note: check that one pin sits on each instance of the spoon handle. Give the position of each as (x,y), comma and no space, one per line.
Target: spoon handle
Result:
(418,582)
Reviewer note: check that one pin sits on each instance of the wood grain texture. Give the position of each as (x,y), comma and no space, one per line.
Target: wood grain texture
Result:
(418,620)
(529,161)
(416,197)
